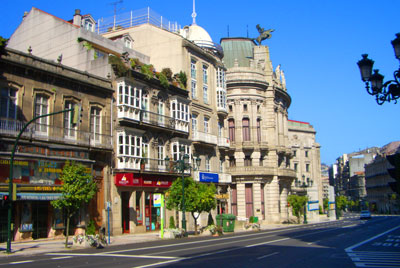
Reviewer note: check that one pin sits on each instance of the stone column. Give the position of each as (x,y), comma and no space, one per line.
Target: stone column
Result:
(132,212)
(241,199)
(257,199)
(273,201)
(283,198)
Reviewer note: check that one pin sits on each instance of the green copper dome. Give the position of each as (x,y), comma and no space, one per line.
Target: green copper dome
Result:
(237,48)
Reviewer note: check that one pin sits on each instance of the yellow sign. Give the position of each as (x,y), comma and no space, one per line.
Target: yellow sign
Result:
(222,196)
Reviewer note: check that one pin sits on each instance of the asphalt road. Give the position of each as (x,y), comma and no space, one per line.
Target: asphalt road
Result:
(347,243)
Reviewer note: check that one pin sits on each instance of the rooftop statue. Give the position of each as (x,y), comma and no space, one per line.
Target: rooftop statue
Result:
(263,34)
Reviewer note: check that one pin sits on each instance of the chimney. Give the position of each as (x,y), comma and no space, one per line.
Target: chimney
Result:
(77,18)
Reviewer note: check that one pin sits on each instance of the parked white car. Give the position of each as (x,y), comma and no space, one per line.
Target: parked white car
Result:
(365,215)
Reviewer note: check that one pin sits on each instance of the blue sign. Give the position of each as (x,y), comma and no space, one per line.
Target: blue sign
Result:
(208,177)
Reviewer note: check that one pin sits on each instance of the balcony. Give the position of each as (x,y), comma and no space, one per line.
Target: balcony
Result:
(224,142)
(134,115)
(48,133)
(222,110)
(146,165)
(252,171)
(198,136)
(286,172)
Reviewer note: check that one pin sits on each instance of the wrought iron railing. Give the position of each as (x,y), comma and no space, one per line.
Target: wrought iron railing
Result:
(147,164)
(37,131)
(135,18)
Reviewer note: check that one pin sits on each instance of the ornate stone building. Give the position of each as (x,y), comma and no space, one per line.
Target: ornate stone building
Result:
(260,152)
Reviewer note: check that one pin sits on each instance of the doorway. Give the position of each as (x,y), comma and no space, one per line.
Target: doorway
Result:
(125,211)
(40,219)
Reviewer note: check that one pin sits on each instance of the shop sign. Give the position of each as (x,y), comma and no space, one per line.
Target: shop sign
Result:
(157,200)
(39,196)
(208,177)
(313,205)
(128,179)
(222,196)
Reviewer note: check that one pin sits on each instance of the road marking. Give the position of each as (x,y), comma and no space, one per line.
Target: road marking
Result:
(20,262)
(112,255)
(375,259)
(266,256)
(350,249)
(158,263)
(269,242)
(60,258)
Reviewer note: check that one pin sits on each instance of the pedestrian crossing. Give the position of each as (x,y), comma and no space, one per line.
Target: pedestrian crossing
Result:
(375,258)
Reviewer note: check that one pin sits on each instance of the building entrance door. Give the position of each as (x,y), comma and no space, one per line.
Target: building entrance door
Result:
(125,211)
(40,219)
(152,213)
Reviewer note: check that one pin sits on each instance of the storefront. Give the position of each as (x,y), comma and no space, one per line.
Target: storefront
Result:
(141,200)
(37,184)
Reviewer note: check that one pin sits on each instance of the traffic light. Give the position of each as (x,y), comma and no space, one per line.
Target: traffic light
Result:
(77,114)
(394,172)
(4,200)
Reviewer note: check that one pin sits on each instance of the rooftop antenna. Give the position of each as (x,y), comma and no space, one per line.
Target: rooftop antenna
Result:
(115,10)
(194,13)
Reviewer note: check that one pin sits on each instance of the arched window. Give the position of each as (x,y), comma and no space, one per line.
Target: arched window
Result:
(246,129)
(231,124)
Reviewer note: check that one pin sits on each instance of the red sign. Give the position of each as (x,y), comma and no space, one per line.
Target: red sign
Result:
(130,179)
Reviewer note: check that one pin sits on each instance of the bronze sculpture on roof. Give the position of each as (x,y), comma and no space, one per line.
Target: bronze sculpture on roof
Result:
(264,34)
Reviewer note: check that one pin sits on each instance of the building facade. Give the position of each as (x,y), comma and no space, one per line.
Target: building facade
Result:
(260,152)
(30,87)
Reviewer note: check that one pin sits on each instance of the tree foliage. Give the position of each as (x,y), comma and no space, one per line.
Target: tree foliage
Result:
(341,202)
(297,203)
(199,197)
(78,187)
(326,204)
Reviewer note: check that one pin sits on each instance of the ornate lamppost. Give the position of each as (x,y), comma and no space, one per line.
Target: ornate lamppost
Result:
(374,84)
(181,165)
(304,184)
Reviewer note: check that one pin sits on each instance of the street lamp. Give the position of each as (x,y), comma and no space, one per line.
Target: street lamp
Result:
(304,185)
(374,84)
(181,165)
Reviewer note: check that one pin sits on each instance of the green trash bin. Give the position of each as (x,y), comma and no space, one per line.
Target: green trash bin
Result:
(227,221)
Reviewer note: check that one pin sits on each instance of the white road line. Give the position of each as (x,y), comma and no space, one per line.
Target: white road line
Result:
(269,242)
(350,249)
(112,255)
(60,258)
(266,256)
(159,263)
(20,262)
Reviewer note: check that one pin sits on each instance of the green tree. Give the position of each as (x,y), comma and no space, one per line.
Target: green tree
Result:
(297,203)
(341,204)
(199,197)
(78,187)
(326,204)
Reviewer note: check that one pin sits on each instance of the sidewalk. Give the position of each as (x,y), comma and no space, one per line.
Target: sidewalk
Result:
(27,248)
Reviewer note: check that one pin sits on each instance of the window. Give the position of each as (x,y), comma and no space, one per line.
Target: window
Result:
(247,161)
(258,108)
(231,124)
(194,91)
(232,161)
(127,42)
(161,154)
(230,108)
(193,79)
(295,166)
(88,25)
(221,99)
(220,128)
(306,153)
(261,160)
(221,82)
(294,153)
(98,54)
(145,150)
(205,74)
(129,95)
(245,107)
(95,124)
(221,165)
(41,108)
(175,148)
(180,111)
(129,145)
(194,123)
(205,94)
(160,111)
(259,130)
(69,128)
(246,129)
(8,103)
(307,167)
(208,165)
(145,107)
(206,124)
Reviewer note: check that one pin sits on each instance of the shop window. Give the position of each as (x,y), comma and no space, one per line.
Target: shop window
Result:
(139,211)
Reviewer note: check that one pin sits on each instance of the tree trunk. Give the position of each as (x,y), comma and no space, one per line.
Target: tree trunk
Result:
(67,230)
(195,223)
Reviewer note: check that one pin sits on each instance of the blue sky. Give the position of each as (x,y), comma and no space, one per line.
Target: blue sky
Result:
(316,42)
